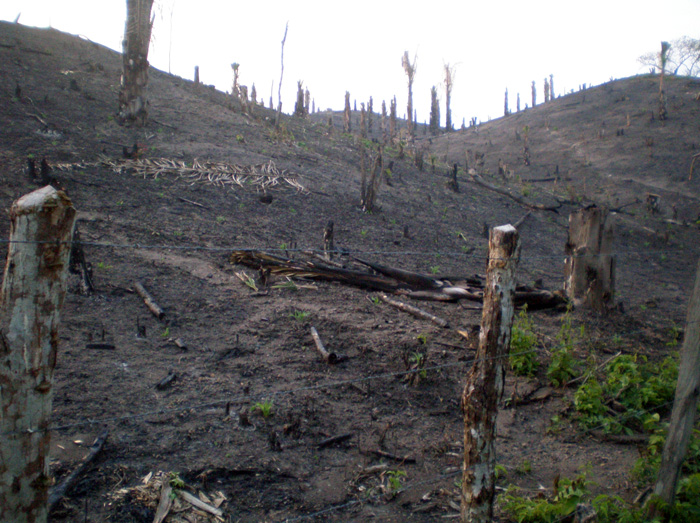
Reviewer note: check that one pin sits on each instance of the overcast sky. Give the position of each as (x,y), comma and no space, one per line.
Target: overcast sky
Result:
(357,46)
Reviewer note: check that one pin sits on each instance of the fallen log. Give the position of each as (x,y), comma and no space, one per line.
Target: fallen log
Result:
(59,491)
(535,206)
(394,281)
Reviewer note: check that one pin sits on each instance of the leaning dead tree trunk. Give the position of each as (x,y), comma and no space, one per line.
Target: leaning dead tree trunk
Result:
(590,267)
(133,105)
(485,380)
(278,116)
(33,289)
(684,408)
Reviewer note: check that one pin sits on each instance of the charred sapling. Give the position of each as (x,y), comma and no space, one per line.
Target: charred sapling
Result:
(370,187)
(517,103)
(663,60)
(392,121)
(363,120)
(347,125)
(434,112)
(546,90)
(534,94)
(307,101)
(370,108)
(506,112)
(299,109)
(382,123)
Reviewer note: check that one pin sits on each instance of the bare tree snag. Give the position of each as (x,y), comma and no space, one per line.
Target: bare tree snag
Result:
(449,84)
(486,378)
(279,87)
(590,267)
(410,70)
(684,407)
(133,105)
(149,301)
(33,290)
(196,75)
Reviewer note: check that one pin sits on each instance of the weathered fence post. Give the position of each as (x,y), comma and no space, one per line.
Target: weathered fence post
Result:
(590,267)
(485,380)
(684,407)
(33,289)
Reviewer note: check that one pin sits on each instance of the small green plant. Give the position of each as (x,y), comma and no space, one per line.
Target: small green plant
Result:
(375,300)
(300,316)
(240,138)
(394,482)
(103,267)
(264,408)
(176,481)
(568,493)
(422,338)
(250,282)
(523,341)
(635,386)
(363,232)
(220,219)
(500,471)
(165,333)
(416,362)
(434,269)
(524,467)
(562,367)
(284,246)
(289,285)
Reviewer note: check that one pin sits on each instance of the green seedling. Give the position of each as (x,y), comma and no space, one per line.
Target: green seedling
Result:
(220,219)
(300,315)
(264,408)
(393,478)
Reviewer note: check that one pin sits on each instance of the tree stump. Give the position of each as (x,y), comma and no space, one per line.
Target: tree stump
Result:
(590,266)
(33,289)
(486,378)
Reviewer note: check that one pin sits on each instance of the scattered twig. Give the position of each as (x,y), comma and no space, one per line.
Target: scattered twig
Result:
(419,313)
(59,491)
(191,202)
(100,346)
(522,220)
(167,381)
(195,501)
(328,357)
(535,206)
(624,439)
(335,439)
(149,301)
(393,457)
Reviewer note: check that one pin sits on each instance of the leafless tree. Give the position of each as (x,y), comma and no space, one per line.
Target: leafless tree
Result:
(449,83)
(434,112)
(410,70)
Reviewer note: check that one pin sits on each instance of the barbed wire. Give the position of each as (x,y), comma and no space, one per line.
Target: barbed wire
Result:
(308,388)
(341,252)
(375,497)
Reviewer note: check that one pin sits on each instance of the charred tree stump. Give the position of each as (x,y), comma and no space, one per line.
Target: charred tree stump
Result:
(590,267)
(486,378)
(133,106)
(196,75)
(33,290)
(684,408)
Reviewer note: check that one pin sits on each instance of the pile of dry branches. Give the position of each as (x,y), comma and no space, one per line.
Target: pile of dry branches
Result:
(261,176)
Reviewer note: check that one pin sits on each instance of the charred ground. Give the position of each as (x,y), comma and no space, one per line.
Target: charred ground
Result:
(600,145)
